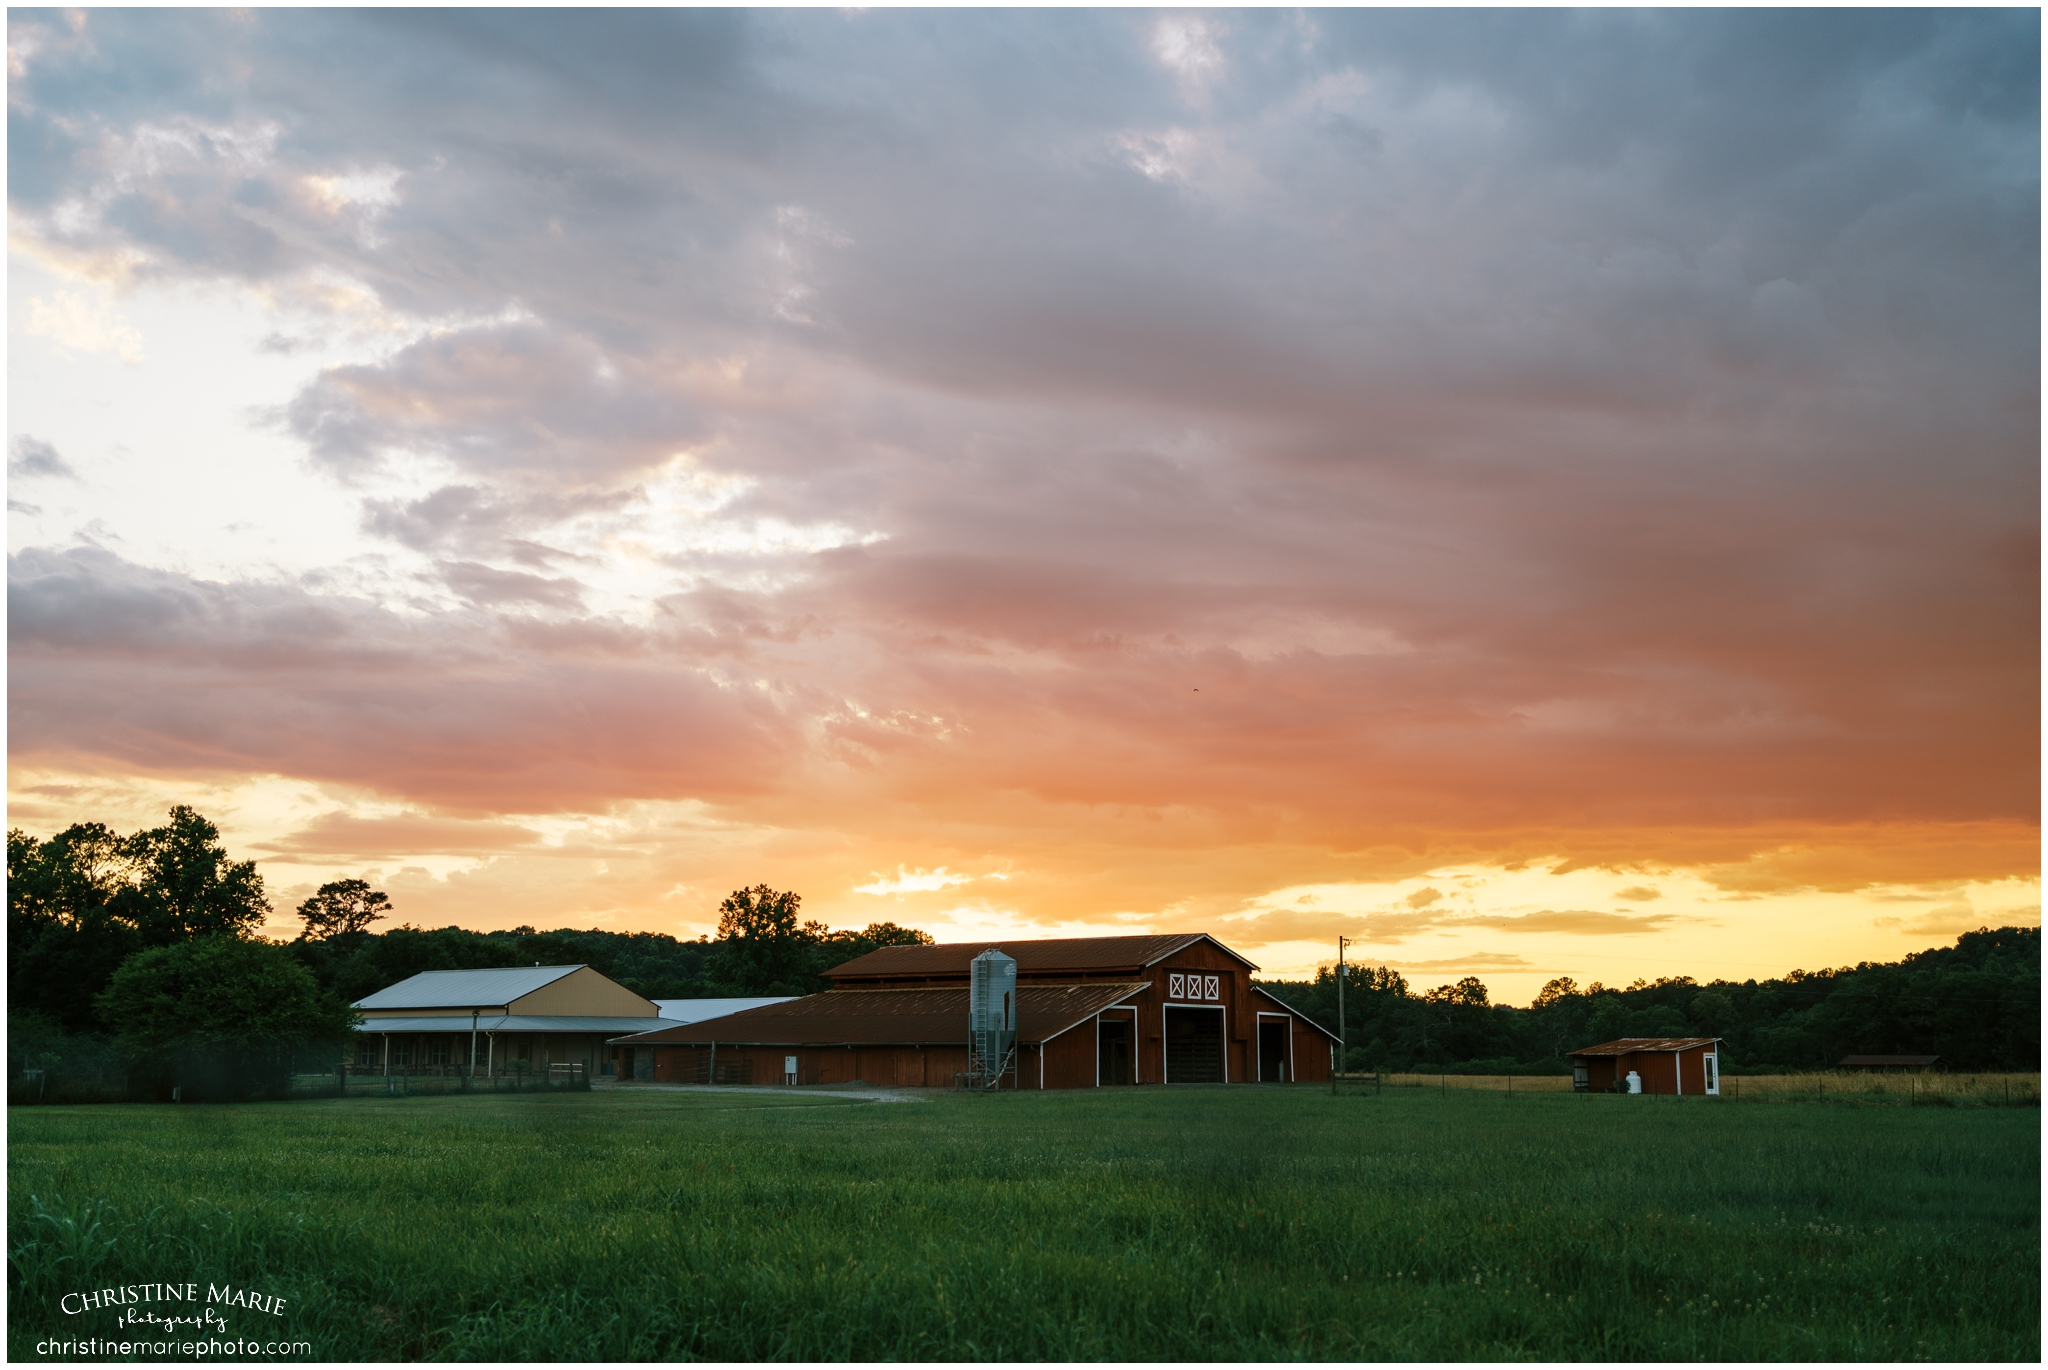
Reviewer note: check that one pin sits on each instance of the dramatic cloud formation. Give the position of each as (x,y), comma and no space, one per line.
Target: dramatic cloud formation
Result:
(1165,459)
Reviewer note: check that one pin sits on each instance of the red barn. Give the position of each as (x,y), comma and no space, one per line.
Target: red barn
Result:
(1091,1011)
(1665,1065)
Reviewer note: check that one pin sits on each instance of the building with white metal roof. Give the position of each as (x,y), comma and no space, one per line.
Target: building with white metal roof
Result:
(517,1019)
(698,1010)
(466,989)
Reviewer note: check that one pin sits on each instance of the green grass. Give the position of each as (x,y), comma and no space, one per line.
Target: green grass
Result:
(1152,1224)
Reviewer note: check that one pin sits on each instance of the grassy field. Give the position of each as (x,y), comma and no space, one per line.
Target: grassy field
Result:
(1184,1224)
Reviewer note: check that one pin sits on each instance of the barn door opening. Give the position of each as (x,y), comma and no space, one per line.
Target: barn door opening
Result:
(1113,1050)
(1194,1046)
(1273,1050)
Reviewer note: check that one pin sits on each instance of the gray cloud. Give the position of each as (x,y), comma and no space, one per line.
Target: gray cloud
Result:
(1465,965)
(473,518)
(484,585)
(466,712)
(341,837)
(500,401)
(33,459)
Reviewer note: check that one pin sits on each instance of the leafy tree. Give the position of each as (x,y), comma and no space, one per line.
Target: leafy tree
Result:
(81,903)
(219,1015)
(342,907)
(355,967)
(1609,1021)
(1712,1010)
(65,929)
(877,935)
(186,887)
(763,947)
(1469,992)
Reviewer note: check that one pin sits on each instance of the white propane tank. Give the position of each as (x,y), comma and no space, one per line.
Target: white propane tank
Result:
(1635,1083)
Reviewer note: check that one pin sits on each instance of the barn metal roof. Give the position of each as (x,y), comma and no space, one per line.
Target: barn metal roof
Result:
(698,1010)
(465,989)
(1628,1045)
(516,1022)
(1049,954)
(871,1017)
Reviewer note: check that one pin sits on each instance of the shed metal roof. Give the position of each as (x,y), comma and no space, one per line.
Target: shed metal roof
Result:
(515,1022)
(1627,1046)
(873,1017)
(465,989)
(1049,954)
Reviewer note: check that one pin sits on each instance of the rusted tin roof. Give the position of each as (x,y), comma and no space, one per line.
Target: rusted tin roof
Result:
(1626,1046)
(873,1017)
(1041,956)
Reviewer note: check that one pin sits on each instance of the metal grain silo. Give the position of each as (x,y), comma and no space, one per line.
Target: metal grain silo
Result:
(991,1018)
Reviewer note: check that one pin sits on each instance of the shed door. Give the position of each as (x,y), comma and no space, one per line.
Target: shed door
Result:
(1713,1065)
(1113,1049)
(643,1063)
(1272,1049)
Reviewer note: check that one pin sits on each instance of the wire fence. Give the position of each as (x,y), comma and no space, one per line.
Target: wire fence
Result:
(402,1081)
(1933,1088)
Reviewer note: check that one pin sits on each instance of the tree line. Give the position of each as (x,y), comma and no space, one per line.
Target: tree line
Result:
(136,958)
(1976,1004)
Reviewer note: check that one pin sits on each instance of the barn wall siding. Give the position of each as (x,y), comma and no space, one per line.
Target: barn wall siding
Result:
(1070,1059)
(1070,1062)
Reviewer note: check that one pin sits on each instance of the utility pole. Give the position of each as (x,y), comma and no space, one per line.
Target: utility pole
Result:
(1342,942)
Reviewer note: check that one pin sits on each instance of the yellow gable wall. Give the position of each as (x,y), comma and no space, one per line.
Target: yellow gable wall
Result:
(583,994)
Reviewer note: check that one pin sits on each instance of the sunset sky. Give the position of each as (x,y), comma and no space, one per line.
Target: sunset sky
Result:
(1540,494)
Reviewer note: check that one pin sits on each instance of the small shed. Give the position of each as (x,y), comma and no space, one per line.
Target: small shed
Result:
(1892,1063)
(1665,1065)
